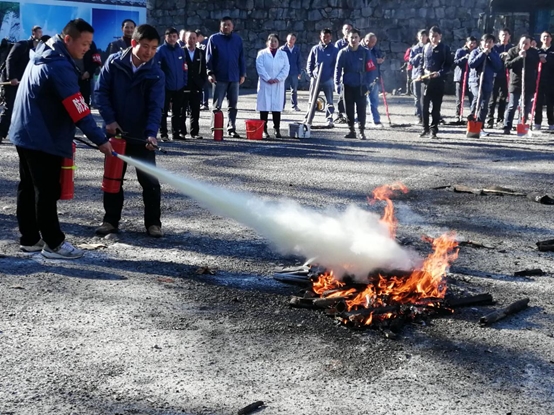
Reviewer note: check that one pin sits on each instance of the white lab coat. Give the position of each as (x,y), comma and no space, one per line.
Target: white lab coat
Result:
(271,97)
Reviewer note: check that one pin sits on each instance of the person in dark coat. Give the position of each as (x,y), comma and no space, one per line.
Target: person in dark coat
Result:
(47,107)
(351,72)
(295,64)
(437,61)
(197,75)
(202,43)
(341,44)
(461,59)
(124,42)
(16,62)
(226,70)
(416,60)
(171,59)
(521,58)
(545,96)
(500,90)
(130,95)
(88,66)
(483,57)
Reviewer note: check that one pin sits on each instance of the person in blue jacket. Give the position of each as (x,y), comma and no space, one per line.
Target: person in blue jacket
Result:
(461,59)
(172,61)
(500,91)
(354,63)
(226,70)
(130,97)
(47,107)
(324,53)
(483,57)
(295,63)
(416,60)
(378,56)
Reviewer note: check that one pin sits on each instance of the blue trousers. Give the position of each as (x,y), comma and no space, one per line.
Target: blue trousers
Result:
(291,83)
(373,102)
(231,91)
(483,105)
(327,88)
(512,106)
(416,88)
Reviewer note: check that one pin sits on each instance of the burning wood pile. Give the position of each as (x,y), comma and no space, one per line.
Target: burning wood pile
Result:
(389,299)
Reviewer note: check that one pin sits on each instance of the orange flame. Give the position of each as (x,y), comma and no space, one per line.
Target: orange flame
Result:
(424,283)
(384,193)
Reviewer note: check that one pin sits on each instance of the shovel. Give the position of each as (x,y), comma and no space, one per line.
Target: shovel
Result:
(460,120)
(535,97)
(474,127)
(522,127)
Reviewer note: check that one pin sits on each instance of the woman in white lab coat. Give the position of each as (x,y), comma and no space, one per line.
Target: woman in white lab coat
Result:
(273,66)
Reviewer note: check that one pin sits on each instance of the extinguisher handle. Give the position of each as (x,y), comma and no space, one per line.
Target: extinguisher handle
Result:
(115,154)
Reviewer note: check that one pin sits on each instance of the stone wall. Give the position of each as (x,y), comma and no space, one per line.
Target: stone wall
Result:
(395,22)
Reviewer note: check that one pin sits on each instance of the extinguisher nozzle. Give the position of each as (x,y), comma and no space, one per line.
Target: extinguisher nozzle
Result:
(114,154)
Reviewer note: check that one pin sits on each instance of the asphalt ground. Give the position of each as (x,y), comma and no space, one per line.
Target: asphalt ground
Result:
(133,328)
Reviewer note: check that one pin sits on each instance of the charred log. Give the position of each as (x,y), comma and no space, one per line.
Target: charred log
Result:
(480,299)
(250,408)
(504,312)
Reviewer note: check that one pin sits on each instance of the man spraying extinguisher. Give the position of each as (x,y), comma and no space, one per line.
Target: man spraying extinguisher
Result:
(47,107)
(130,96)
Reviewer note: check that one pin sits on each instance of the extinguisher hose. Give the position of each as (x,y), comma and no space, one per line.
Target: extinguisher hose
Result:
(125,137)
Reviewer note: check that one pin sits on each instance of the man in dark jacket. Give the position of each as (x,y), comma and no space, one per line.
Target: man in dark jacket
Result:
(202,43)
(378,56)
(16,62)
(47,107)
(351,72)
(130,98)
(485,58)
(341,44)
(324,53)
(461,73)
(500,90)
(521,59)
(171,59)
(88,66)
(545,94)
(437,62)
(416,60)
(295,63)
(128,28)
(197,75)
(226,70)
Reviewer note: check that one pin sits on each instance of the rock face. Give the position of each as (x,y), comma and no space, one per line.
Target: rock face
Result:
(395,22)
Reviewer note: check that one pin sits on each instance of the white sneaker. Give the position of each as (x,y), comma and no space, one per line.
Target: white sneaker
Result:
(64,251)
(377,125)
(330,123)
(536,127)
(33,248)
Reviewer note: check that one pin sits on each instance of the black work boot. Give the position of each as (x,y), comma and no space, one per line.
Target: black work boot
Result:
(277,133)
(351,133)
(361,134)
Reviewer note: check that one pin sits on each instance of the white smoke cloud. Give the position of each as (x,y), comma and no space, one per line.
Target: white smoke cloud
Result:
(352,241)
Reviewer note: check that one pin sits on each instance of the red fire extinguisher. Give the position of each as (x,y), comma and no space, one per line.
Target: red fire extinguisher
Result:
(113,167)
(67,175)
(217,125)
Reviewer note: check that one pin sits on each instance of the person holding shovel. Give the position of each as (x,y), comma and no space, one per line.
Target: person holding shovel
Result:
(500,90)
(484,62)
(461,74)
(523,62)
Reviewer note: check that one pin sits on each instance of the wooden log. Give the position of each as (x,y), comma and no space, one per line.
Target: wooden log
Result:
(328,302)
(479,299)
(504,312)
(293,279)
(529,272)
(250,408)
(300,302)
(366,312)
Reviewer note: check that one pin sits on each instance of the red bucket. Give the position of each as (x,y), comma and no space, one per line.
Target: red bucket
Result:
(254,129)
(522,129)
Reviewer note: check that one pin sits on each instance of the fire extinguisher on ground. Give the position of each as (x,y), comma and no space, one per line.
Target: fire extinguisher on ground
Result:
(113,167)
(67,175)
(217,125)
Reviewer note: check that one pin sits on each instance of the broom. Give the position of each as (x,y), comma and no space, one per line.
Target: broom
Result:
(474,127)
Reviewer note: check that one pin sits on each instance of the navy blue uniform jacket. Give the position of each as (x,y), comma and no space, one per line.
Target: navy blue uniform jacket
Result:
(134,100)
(322,54)
(225,57)
(172,61)
(295,59)
(48,103)
(493,65)
(460,60)
(351,67)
